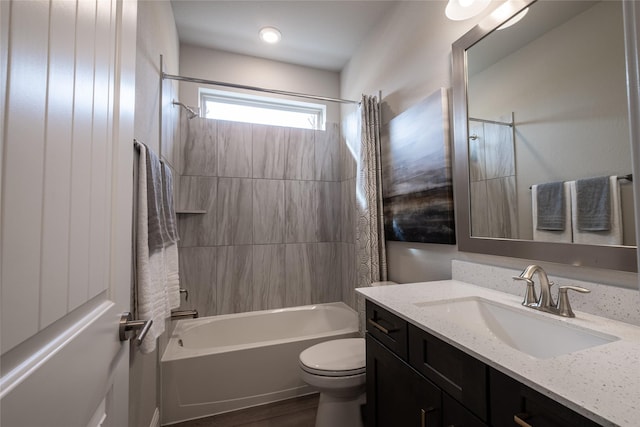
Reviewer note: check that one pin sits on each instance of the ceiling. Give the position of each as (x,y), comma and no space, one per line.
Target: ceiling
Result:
(321,34)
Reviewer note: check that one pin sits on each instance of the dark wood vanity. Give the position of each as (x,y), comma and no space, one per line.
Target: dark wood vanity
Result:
(416,379)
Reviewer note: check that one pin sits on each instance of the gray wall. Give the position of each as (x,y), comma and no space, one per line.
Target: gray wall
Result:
(274,230)
(156,35)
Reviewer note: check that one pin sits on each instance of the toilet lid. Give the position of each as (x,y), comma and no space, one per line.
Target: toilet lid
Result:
(335,358)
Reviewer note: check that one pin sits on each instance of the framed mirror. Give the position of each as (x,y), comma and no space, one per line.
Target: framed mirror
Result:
(538,101)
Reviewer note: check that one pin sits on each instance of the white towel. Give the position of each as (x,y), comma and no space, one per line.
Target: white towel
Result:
(611,237)
(170,247)
(547,235)
(150,277)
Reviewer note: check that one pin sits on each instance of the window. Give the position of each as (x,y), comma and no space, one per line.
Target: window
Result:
(240,107)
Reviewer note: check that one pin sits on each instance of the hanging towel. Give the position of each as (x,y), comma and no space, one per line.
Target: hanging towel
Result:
(150,280)
(158,236)
(612,236)
(561,235)
(171,249)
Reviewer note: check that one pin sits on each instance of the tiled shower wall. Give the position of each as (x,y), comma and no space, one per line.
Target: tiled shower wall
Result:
(492,169)
(277,229)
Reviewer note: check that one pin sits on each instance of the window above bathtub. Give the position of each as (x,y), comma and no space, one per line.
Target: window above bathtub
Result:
(241,107)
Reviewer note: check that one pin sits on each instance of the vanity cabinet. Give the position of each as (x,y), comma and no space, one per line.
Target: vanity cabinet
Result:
(510,399)
(416,379)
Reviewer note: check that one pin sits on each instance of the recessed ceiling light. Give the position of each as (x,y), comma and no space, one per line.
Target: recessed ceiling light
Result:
(270,35)
(458,10)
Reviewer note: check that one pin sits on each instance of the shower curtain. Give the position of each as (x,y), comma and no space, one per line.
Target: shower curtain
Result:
(370,245)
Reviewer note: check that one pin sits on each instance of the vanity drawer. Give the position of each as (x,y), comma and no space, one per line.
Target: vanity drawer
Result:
(510,398)
(461,376)
(387,328)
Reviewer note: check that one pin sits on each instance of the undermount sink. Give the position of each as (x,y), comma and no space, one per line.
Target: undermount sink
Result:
(528,332)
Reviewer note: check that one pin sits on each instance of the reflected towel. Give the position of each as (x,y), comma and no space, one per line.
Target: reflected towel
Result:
(551,212)
(552,235)
(613,236)
(593,204)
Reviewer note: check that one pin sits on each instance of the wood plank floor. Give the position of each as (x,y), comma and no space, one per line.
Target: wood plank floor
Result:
(297,412)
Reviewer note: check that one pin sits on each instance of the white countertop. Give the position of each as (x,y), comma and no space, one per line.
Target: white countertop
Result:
(601,383)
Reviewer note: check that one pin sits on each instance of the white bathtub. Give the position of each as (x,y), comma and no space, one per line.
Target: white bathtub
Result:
(223,363)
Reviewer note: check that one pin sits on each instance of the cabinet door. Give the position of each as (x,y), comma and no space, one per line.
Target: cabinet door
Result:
(456,415)
(396,394)
(513,403)
(455,372)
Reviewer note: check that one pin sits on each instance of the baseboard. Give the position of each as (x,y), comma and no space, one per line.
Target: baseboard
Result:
(155,421)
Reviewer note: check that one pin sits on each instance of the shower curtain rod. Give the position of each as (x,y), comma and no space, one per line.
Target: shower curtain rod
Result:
(257,89)
(471,119)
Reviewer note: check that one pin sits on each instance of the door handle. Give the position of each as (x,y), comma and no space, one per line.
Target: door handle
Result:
(128,327)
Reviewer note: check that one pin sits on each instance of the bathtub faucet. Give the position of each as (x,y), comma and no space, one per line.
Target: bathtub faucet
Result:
(184,314)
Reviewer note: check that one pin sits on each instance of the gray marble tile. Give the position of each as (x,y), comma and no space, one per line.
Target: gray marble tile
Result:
(300,154)
(329,212)
(234,149)
(268,151)
(326,274)
(170,123)
(350,144)
(301,211)
(198,276)
(348,210)
(197,192)
(298,274)
(479,209)
(199,153)
(477,168)
(234,279)
(502,207)
(268,277)
(182,141)
(235,211)
(499,151)
(327,153)
(268,211)
(348,271)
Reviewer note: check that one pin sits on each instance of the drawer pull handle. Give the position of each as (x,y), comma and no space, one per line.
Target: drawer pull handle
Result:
(423,416)
(518,420)
(379,327)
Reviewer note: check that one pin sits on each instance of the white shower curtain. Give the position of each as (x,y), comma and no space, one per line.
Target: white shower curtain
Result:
(370,245)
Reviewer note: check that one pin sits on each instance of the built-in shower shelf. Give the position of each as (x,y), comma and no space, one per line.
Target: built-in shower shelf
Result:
(191,211)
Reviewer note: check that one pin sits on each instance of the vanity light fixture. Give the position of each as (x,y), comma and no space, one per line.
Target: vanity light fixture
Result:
(458,10)
(270,35)
(514,20)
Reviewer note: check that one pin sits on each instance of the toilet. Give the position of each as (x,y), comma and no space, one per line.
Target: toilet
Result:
(337,370)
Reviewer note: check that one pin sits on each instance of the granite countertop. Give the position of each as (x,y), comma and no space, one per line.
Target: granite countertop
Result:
(601,382)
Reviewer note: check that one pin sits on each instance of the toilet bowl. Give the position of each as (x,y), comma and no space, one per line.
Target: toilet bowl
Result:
(337,370)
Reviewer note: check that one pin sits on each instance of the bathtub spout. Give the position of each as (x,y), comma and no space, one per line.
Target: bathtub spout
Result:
(184,314)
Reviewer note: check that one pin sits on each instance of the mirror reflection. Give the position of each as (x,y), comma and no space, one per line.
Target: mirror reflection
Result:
(547,108)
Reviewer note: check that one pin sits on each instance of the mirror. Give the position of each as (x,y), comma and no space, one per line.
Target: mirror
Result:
(543,100)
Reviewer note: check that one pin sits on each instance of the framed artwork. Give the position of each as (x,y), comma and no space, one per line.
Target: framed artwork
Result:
(417,185)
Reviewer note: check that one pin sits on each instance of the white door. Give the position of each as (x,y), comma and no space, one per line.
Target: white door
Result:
(67,106)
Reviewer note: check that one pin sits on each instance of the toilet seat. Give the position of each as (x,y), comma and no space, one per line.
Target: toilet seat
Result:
(336,358)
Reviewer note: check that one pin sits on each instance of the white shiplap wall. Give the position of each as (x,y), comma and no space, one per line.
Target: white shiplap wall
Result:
(57,160)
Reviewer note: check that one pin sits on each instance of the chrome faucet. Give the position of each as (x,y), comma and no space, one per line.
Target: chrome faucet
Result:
(545,302)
